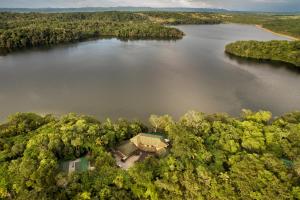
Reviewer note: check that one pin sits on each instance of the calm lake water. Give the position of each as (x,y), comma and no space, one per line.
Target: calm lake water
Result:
(112,78)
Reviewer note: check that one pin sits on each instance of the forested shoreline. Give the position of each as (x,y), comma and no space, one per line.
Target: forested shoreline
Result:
(28,30)
(20,30)
(283,51)
(214,156)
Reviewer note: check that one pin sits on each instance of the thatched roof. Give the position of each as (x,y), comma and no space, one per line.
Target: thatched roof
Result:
(149,140)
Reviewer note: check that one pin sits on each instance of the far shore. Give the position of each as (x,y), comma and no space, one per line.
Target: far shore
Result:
(276,33)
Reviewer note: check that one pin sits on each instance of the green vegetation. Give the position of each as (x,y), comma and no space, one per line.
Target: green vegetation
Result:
(211,157)
(284,24)
(27,30)
(284,51)
(20,30)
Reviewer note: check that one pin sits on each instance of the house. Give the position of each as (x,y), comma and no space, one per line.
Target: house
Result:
(78,165)
(142,143)
(149,142)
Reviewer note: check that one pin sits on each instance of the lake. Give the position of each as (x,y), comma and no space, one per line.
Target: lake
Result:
(133,79)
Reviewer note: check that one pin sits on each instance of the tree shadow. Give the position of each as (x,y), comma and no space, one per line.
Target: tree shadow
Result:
(5,52)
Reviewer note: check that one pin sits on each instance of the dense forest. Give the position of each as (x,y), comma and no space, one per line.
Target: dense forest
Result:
(213,156)
(27,30)
(20,30)
(284,51)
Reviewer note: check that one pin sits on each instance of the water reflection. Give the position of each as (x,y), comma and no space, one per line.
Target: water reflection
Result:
(133,79)
(263,63)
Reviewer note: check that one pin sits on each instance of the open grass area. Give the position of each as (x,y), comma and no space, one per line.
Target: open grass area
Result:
(288,24)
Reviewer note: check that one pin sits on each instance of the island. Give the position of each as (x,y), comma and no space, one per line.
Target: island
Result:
(282,51)
(209,156)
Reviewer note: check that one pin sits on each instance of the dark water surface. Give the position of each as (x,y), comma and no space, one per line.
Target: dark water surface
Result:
(111,78)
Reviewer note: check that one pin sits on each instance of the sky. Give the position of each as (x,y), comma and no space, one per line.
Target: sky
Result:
(254,5)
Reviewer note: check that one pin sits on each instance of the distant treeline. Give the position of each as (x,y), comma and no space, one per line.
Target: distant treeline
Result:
(21,30)
(26,30)
(104,9)
(284,51)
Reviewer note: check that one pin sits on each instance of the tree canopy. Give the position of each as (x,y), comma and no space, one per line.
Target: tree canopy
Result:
(284,51)
(214,156)
(28,30)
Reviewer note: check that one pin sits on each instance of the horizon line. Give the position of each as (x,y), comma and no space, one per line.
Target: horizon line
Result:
(153,7)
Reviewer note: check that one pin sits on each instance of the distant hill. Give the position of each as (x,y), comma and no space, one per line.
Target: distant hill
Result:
(103,9)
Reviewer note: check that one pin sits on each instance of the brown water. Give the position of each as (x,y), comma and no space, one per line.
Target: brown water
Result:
(112,78)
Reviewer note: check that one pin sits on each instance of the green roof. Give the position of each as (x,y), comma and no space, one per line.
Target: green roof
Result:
(151,135)
(84,165)
(80,166)
(157,134)
(127,148)
(287,163)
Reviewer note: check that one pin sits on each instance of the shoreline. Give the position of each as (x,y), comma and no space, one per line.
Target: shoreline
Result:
(291,65)
(279,34)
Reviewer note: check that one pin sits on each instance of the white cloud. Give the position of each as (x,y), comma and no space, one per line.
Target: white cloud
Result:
(148,3)
(270,1)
